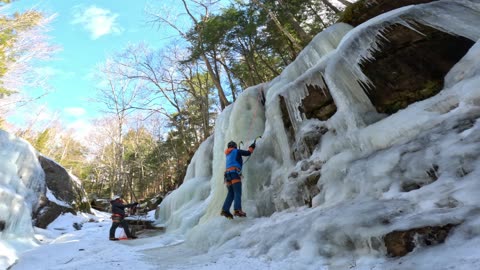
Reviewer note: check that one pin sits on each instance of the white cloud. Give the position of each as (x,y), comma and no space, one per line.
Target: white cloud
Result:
(97,21)
(75,111)
(47,72)
(45,115)
(81,129)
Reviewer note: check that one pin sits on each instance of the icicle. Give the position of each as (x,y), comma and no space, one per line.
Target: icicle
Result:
(344,76)
(308,68)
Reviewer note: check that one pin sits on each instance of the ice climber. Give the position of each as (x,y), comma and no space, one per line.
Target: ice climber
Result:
(118,217)
(233,179)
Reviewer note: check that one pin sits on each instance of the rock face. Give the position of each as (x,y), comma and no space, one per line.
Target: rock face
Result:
(70,197)
(411,66)
(364,10)
(319,103)
(399,243)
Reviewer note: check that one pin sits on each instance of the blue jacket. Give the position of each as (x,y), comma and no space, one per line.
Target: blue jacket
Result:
(234,157)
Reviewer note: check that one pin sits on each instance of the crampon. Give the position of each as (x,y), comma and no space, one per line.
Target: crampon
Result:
(239,213)
(226,214)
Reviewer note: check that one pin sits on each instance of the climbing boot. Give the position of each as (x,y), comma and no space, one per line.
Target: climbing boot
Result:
(239,213)
(132,237)
(113,239)
(226,214)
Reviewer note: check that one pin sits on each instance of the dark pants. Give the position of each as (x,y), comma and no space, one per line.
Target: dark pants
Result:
(234,195)
(116,221)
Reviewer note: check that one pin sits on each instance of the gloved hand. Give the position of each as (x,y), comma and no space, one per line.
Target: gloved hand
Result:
(136,203)
(252,145)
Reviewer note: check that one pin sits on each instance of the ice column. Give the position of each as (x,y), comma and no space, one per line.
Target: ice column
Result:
(22,180)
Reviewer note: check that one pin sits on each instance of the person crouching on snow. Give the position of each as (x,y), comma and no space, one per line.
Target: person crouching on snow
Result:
(233,179)
(118,215)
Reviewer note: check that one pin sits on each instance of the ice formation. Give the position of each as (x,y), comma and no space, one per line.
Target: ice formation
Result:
(22,180)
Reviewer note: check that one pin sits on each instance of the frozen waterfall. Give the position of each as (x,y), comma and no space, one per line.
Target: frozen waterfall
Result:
(21,183)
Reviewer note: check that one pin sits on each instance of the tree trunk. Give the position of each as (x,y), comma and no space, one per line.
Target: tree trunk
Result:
(279,25)
(331,6)
(229,73)
(216,79)
(304,37)
(246,55)
(319,18)
(345,2)
(221,94)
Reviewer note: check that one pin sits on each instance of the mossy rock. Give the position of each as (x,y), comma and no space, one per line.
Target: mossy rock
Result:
(403,99)
(411,67)
(364,10)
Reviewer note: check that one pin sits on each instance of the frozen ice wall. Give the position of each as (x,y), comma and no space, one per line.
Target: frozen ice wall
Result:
(373,174)
(21,183)
(255,113)
(182,209)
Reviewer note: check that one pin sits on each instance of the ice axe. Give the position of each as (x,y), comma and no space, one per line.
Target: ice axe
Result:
(254,142)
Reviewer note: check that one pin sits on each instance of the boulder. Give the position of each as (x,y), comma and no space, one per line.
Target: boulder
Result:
(48,212)
(64,194)
(100,204)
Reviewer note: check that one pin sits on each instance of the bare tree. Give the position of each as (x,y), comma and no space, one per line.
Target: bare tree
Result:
(30,44)
(120,96)
(210,63)
(159,76)
(39,118)
(102,149)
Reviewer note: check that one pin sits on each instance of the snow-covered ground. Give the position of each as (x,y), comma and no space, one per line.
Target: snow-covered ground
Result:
(63,247)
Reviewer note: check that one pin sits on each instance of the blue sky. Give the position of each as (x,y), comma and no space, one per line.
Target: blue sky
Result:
(87,31)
